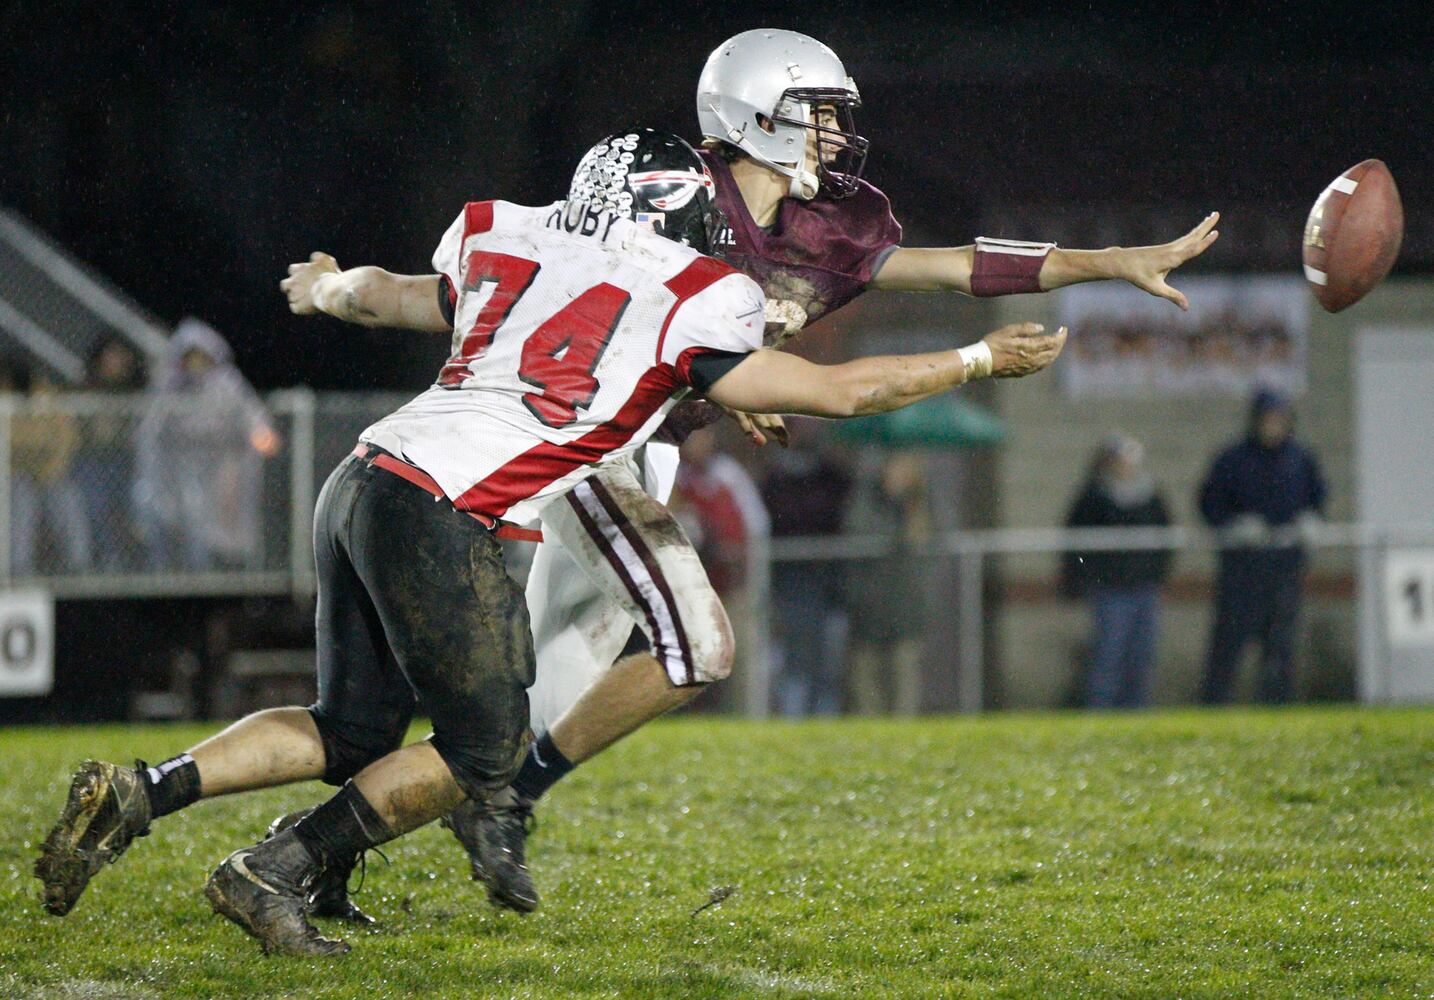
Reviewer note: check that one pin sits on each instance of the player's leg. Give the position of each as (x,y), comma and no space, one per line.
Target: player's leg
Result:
(109,805)
(458,629)
(637,553)
(579,629)
(579,632)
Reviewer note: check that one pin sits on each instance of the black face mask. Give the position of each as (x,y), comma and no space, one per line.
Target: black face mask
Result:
(840,143)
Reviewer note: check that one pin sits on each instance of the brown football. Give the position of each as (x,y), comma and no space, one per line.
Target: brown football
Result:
(1353,235)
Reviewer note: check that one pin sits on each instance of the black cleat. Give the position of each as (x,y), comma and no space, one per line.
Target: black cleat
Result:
(265,890)
(330,896)
(494,834)
(107,808)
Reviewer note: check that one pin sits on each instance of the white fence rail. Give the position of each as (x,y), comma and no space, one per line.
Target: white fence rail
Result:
(137,496)
(1369,545)
(148,495)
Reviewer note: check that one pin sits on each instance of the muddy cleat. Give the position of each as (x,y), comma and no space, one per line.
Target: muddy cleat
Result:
(265,890)
(494,834)
(106,810)
(330,896)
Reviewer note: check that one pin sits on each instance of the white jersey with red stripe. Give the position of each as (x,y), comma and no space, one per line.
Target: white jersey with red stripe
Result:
(573,336)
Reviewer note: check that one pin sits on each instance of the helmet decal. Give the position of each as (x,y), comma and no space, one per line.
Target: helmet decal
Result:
(671,189)
(654,178)
(601,178)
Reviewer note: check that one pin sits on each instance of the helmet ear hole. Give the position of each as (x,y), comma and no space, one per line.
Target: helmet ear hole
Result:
(765,124)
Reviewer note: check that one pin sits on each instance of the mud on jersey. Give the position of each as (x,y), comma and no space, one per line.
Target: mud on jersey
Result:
(573,336)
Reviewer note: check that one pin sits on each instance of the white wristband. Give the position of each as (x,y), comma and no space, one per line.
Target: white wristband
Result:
(977,359)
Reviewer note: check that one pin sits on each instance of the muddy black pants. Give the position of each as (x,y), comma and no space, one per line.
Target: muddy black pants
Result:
(415,605)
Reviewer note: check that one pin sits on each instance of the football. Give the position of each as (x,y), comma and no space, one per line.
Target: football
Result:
(1352,235)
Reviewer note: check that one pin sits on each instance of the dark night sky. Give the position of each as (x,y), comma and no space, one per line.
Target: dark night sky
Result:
(190,151)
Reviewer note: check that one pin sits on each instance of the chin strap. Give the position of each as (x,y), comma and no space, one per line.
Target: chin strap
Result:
(805,185)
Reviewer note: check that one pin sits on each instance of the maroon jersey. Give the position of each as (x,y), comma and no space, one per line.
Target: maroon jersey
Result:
(820,254)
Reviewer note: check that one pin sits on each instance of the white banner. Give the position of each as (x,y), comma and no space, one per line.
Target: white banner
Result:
(27,642)
(1238,334)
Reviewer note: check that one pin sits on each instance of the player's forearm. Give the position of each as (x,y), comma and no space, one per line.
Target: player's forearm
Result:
(880,384)
(1071,267)
(361,295)
(777,382)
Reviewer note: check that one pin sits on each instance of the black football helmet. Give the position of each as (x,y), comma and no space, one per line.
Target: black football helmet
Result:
(656,179)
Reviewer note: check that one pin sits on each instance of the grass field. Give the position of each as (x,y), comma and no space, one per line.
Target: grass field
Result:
(1237,854)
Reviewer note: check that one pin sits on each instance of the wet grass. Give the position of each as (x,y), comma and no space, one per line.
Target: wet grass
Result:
(1168,855)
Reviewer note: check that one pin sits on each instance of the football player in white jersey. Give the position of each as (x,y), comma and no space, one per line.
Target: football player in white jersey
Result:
(579,326)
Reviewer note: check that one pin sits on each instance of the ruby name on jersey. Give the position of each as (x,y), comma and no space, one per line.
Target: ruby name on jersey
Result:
(573,333)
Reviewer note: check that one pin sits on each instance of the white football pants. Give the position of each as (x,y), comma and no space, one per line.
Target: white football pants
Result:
(614,556)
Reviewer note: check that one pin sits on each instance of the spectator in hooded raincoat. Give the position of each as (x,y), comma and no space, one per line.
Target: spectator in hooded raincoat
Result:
(201,447)
(1259,491)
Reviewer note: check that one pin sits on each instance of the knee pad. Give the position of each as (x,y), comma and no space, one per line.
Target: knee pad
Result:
(349,748)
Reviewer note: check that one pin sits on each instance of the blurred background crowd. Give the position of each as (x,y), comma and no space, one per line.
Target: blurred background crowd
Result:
(160,486)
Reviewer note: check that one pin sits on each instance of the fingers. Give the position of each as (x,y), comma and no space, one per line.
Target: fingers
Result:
(777,427)
(1206,224)
(1172,294)
(772,427)
(1195,248)
(1051,349)
(749,427)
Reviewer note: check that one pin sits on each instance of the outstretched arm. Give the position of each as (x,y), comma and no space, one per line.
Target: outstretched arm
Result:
(912,269)
(369,296)
(776,382)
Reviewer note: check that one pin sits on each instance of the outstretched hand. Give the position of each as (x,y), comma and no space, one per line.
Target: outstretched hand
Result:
(1148,267)
(1023,349)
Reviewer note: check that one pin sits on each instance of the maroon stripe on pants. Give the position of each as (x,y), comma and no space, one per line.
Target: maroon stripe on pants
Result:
(654,570)
(615,561)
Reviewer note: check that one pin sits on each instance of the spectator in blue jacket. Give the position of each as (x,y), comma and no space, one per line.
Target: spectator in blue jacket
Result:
(1259,492)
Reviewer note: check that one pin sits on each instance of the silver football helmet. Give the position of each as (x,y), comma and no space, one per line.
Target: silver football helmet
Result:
(759,91)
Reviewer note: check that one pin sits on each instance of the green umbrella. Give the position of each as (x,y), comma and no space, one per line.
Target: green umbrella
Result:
(939,422)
